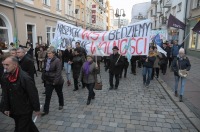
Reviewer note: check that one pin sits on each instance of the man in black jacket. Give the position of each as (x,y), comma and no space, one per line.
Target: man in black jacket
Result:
(115,64)
(20,96)
(26,62)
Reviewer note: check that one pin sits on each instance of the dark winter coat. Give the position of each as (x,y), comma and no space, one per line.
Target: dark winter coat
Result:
(183,63)
(92,73)
(21,97)
(175,50)
(114,66)
(168,50)
(78,61)
(150,62)
(54,75)
(67,56)
(27,65)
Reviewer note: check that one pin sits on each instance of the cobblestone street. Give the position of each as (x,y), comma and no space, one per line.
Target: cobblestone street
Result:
(131,108)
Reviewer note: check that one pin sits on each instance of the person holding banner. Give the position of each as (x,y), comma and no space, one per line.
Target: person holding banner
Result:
(77,63)
(148,62)
(114,65)
(175,49)
(81,49)
(67,58)
(88,74)
(20,96)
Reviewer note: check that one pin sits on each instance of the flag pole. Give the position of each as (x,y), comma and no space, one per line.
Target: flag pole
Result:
(186,37)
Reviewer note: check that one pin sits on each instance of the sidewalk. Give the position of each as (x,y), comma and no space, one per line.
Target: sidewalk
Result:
(192,88)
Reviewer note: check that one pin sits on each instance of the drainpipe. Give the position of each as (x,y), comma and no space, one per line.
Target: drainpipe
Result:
(186,8)
(15,21)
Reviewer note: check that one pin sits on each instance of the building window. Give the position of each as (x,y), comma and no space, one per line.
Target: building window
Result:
(174,11)
(46,2)
(3,32)
(53,32)
(195,4)
(193,39)
(179,7)
(58,5)
(50,32)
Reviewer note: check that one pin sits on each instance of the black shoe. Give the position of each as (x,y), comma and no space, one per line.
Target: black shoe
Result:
(75,89)
(110,88)
(116,87)
(181,98)
(44,93)
(60,107)
(44,113)
(88,102)
(134,73)
(124,76)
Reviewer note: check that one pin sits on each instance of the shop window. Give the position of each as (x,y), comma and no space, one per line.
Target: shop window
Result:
(198,44)
(193,39)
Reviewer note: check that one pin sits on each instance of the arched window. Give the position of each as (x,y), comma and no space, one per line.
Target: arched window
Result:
(3,32)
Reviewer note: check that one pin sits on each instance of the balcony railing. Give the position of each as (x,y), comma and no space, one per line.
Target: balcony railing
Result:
(154,1)
(167,4)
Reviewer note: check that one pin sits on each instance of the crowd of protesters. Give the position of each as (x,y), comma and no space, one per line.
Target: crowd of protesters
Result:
(19,93)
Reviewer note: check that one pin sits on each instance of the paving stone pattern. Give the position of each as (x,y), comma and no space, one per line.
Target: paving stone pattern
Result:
(131,108)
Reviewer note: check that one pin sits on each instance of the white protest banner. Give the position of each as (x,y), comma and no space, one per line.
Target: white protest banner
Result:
(139,33)
(163,34)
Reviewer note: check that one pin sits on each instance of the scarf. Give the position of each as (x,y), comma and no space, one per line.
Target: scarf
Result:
(12,77)
(48,64)
(86,68)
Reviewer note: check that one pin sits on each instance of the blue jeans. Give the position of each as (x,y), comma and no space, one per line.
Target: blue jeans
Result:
(146,75)
(183,80)
(67,67)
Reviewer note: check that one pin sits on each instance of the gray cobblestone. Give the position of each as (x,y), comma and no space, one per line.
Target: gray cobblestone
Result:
(131,108)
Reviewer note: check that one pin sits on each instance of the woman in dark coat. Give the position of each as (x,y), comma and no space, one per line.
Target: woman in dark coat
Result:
(88,73)
(77,63)
(52,76)
(181,62)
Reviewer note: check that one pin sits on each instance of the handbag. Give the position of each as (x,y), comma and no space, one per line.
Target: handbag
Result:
(182,73)
(98,82)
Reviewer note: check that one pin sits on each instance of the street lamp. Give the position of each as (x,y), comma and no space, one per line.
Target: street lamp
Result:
(119,13)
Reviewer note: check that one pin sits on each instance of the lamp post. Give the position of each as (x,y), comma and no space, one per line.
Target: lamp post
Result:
(119,13)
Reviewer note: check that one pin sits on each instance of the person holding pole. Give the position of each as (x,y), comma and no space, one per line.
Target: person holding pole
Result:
(114,65)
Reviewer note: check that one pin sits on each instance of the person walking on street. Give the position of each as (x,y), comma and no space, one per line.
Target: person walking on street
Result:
(133,64)
(37,48)
(77,63)
(20,96)
(180,63)
(175,49)
(156,65)
(41,57)
(53,79)
(148,62)
(88,74)
(124,67)
(26,62)
(67,58)
(115,64)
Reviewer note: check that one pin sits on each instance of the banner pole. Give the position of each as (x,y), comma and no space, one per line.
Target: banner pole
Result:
(186,37)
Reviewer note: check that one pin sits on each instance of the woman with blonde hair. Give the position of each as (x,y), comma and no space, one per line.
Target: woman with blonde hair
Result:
(181,62)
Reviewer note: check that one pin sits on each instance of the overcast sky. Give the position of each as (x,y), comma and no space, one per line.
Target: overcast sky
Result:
(126,5)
